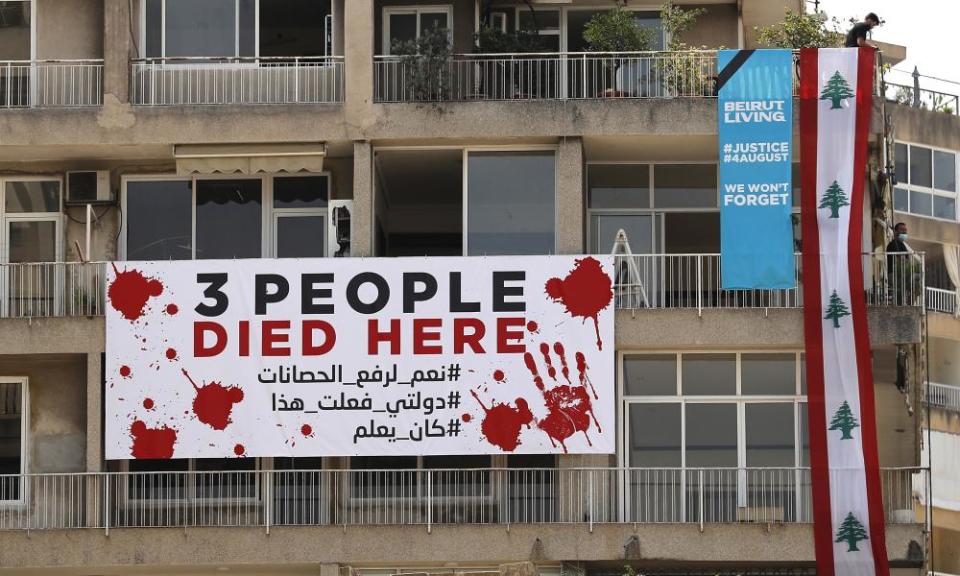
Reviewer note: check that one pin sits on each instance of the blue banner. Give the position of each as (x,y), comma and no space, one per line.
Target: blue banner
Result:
(755,99)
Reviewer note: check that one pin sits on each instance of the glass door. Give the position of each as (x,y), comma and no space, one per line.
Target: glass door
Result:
(30,228)
(407,24)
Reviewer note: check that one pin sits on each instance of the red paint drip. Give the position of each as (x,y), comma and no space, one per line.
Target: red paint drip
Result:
(498,375)
(502,423)
(582,369)
(545,350)
(130,291)
(152,443)
(466,417)
(125,371)
(214,402)
(148,403)
(172,309)
(569,409)
(585,291)
(306,430)
(532,326)
(171,354)
(239,450)
(564,369)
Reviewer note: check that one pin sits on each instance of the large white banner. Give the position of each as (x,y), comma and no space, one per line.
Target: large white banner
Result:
(363,357)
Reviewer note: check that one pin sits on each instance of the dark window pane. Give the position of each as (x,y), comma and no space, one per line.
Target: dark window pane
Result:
(290,27)
(228,219)
(154,30)
(945,207)
(539,19)
(15,31)
(531,461)
(901,200)
(685,186)
(711,435)
(769,435)
(650,375)
(403,28)
(900,153)
(655,436)
(205,28)
(301,236)
(433,21)
(920,166)
(383,462)
(945,171)
(709,374)
(619,186)
(159,220)
(298,463)
(32,242)
(691,232)
(804,436)
(921,203)
(247,32)
(768,374)
(300,192)
(803,374)
(11,414)
(511,199)
(33,196)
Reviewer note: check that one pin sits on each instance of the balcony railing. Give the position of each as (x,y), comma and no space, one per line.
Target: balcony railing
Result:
(943,396)
(940,300)
(202,81)
(546,76)
(923,98)
(267,498)
(694,281)
(51,83)
(654,281)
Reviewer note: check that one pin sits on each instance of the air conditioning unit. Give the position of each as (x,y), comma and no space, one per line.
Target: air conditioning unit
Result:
(89,187)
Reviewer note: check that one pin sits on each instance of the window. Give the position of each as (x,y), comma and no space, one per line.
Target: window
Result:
(282,216)
(30,231)
(13,430)
(219,28)
(407,24)
(926,181)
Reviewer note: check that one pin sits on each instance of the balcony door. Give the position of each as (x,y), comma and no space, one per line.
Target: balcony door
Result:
(407,24)
(18,46)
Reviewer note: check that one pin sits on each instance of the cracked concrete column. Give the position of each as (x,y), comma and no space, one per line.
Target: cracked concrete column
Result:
(358,20)
(361,229)
(94,487)
(117,49)
(570,196)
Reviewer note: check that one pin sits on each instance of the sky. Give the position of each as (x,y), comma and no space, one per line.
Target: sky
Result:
(928,28)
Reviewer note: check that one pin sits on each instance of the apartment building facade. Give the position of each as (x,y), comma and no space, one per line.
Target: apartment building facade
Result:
(270,129)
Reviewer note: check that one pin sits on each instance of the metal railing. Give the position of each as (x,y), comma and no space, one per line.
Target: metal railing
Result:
(265,498)
(237,80)
(51,83)
(50,289)
(546,76)
(943,396)
(694,281)
(922,98)
(940,300)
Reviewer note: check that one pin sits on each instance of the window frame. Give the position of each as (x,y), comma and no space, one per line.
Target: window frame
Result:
(33,38)
(417,10)
(24,497)
(6,219)
(931,191)
(268,214)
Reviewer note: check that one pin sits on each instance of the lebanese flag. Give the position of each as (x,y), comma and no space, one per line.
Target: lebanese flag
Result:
(835,106)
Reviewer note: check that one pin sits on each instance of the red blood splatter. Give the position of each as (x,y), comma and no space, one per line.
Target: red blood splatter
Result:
(171,354)
(152,443)
(564,369)
(125,371)
(148,403)
(498,375)
(585,291)
(466,417)
(214,402)
(502,423)
(569,409)
(582,369)
(545,350)
(306,430)
(130,291)
(172,309)
(239,450)
(532,326)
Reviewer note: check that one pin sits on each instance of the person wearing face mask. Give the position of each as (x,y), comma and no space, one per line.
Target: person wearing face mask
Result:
(900,269)
(899,242)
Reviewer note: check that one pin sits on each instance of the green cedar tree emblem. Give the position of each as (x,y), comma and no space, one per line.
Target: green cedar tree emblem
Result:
(844,421)
(834,199)
(836,310)
(837,90)
(851,532)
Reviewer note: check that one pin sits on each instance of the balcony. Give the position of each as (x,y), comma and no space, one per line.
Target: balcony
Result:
(940,300)
(51,83)
(545,76)
(232,80)
(643,281)
(490,496)
(943,396)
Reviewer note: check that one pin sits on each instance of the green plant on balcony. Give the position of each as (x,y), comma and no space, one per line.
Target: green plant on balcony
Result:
(427,65)
(510,71)
(616,30)
(687,70)
(799,30)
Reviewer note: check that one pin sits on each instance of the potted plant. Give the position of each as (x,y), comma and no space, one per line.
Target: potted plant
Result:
(493,82)
(616,30)
(427,65)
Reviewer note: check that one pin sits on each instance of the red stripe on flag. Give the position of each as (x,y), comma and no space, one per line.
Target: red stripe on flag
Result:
(812,323)
(861,331)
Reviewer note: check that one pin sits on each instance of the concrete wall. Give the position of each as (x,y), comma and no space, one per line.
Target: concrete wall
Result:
(716,28)
(944,361)
(57,419)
